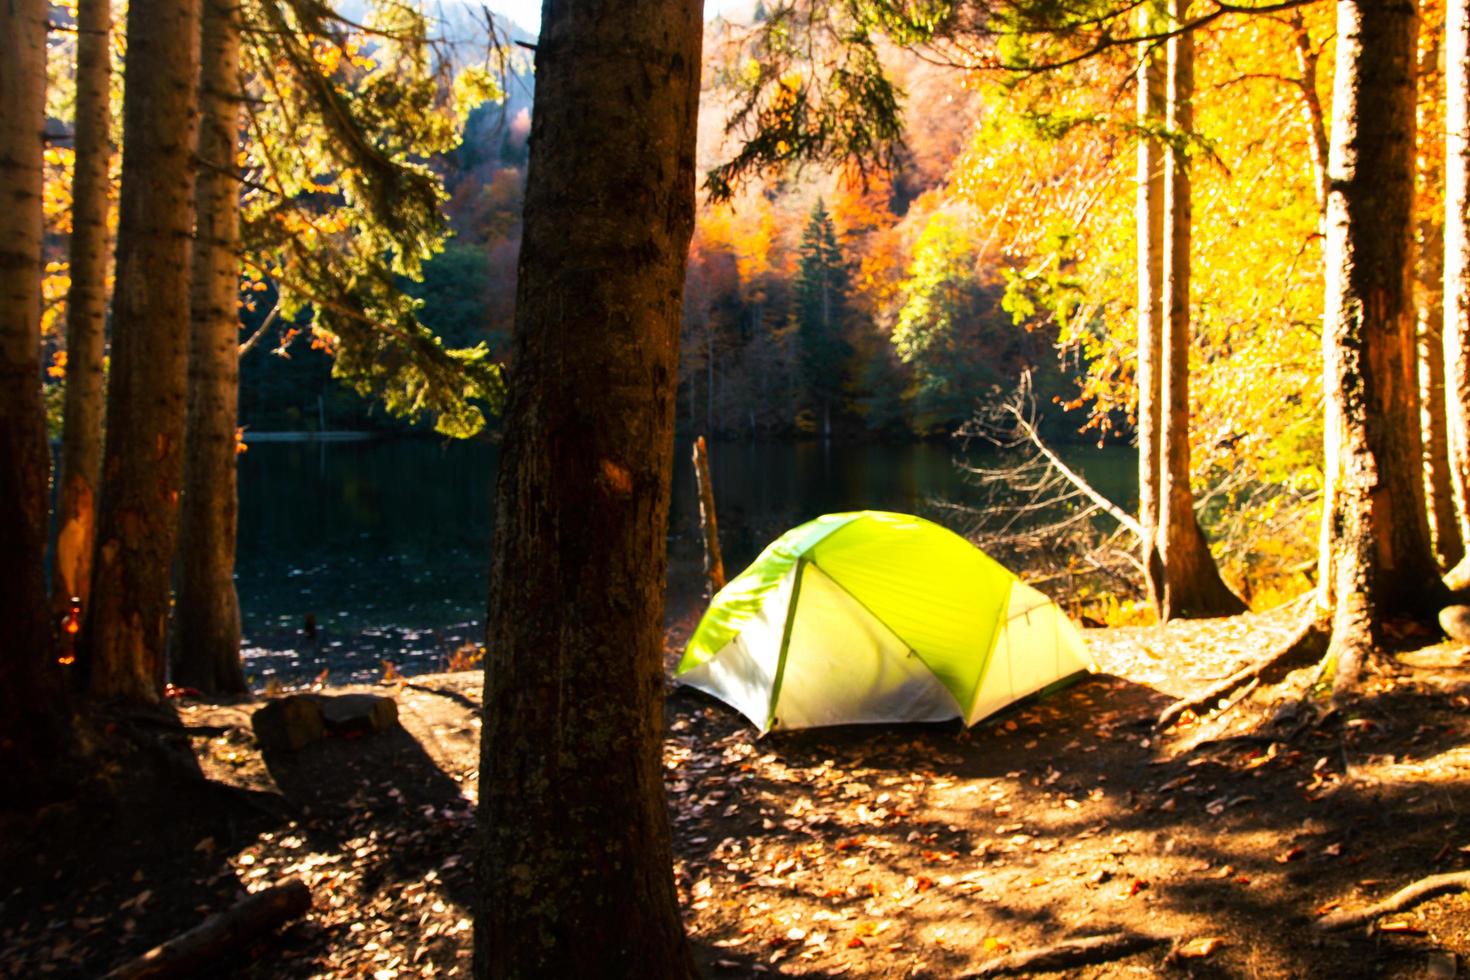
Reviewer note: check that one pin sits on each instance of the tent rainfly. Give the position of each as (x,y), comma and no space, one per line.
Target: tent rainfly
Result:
(877,617)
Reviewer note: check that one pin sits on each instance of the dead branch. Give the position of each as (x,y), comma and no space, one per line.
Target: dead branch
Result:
(1306,646)
(1406,897)
(1024,426)
(188,953)
(1068,954)
(714,563)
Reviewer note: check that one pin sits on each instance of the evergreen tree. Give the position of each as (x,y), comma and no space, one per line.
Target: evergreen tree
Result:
(821,310)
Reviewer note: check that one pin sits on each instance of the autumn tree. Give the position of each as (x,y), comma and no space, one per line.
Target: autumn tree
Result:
(86,310)
(1191,582)
(575,856)
(205,641)
(1376,540)
(123,639)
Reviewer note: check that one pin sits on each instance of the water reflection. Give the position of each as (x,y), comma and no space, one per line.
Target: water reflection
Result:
(386,544)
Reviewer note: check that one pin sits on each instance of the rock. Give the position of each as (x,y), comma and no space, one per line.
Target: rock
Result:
(289,723)
(359,714)
(1455,621)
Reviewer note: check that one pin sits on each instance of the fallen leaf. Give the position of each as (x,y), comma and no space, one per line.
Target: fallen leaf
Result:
(1199,948)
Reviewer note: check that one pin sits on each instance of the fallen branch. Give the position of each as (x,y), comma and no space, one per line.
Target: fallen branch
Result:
(1406,897)
(1068,954)
(1306,646)
(187,954)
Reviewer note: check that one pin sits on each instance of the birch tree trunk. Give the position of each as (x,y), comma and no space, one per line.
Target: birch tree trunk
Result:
(86,312)
(575,854)
(1377,532)
(1456,296)
(1444,529)
(1149,216)
(205,642)
(31,720)
(123,639)
(1192,583)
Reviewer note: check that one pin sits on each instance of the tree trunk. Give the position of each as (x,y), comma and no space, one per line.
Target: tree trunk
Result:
(123,639)
(86,312)
(1444,529)
(1456,298)
(31,722)
(1149,214)
(206,636)
(575,853)
(1377,533)
(1192,583)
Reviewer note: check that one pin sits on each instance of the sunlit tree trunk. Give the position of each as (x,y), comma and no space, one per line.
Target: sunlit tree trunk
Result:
(123,640)
(206,635)
(1149,217)
(1192,583)
(1377,532)
(575,856)
(86,311)
(1444,528)
(1456,296)
(31,720)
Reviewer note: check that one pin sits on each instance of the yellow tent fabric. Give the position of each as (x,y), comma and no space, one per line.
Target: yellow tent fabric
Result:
(873,616)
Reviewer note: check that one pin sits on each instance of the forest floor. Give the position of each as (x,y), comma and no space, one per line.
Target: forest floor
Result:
(889,851)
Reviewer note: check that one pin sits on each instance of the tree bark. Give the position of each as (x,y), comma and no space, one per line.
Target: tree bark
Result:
(575,854)
(86,312)
(1149,215)
(206,638)
(1456,298)
(123,639)
(1192,583)
(1444,529)
(31,722)
(1377,533)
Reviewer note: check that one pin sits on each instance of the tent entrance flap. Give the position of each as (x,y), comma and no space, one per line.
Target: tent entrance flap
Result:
(841,660)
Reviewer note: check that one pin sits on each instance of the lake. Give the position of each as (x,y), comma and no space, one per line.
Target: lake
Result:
(386,544)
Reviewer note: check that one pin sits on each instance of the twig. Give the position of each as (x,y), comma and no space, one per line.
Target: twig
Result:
(1409,895)
(1068,954)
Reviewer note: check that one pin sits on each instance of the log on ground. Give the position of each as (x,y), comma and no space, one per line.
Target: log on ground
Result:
(188,953)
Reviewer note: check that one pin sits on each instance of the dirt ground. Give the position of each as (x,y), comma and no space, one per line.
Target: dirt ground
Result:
(885,851)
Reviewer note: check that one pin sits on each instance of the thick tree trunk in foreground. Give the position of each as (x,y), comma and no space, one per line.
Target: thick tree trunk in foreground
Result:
(1149,216)
(30,720)
(1192,583)
(86,312)
(1377,534)
(206,637)
(123,640)
(575,854)
(1456,297)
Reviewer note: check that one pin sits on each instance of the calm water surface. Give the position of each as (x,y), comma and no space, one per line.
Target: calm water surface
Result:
(386,544)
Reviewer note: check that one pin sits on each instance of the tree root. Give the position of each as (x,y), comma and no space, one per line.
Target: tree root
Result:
(1305,647)
(1406,897)
(189,952)
(1068,954)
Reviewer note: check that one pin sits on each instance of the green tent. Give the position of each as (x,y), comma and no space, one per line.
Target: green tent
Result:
(874,617)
